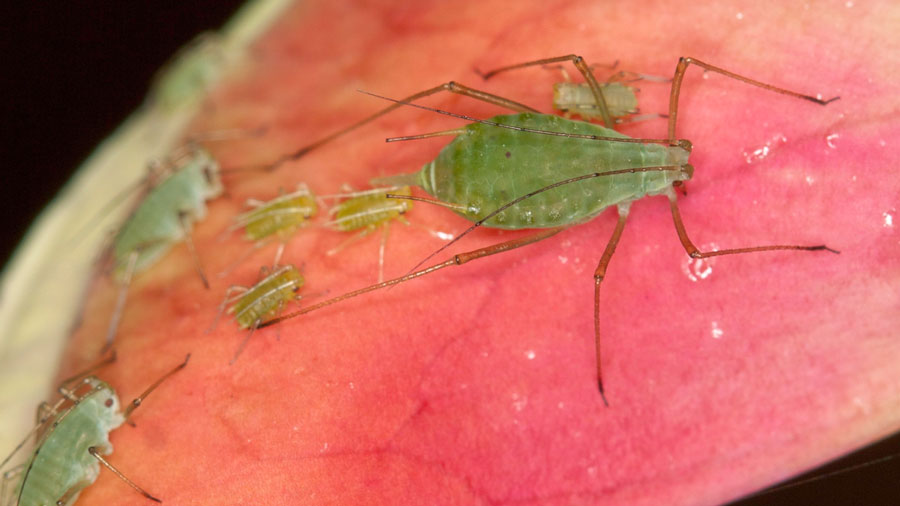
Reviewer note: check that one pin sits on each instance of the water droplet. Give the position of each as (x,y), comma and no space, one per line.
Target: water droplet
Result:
(699,268)
(563,259)
(830,140)
(810,180)
(849,4)
(717,333)
(530,354)
(739,16)
(888,220)
(444,236)
(882,143)
(519,403)
(760,153)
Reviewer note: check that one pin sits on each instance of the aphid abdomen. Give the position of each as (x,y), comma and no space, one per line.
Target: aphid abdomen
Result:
(265,298)
(576,98)
(370,210)
(281,216)
(61,459)
(156,224)
(487,166)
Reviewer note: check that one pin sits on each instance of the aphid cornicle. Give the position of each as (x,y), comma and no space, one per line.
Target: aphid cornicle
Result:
(163,218)
(279,218)
(72,440)
(255,305)
(365,212)
(532,170)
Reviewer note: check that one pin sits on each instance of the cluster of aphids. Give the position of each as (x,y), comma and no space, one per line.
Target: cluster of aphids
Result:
(503,163)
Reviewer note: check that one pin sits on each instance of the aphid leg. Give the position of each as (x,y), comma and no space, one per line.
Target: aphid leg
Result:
(385,231)
(246,254)
(186,226)
(96,454)
(350,240)
(225,301)
(694,252)
(279,252)
(681,68)
(599,274)
(136,403)
(120,302)
(10,483)
(243,344)
(579,64)
(451,86)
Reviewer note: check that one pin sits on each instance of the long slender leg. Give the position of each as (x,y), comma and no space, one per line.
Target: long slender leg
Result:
(451,86)
(120,302)
(386,228)
(580,65)
(189,241)
(694,252)
(243,344)
(455,260)
(599,274)
(225,300)
(11,481)
(96,454)
(681,68)
(136,403)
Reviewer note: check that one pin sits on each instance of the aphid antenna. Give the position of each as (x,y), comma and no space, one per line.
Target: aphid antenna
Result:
(520,129)
(136,403)
(825,476)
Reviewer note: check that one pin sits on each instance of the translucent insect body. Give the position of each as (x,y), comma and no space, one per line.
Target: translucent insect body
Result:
(368,211)
(263,301)
(162,219)
(278,218)
(74,438)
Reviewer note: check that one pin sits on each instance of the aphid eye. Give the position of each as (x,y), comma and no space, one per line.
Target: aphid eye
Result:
(207,173)
(108,403)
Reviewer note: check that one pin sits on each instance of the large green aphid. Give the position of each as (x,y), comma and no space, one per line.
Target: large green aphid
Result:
(73,437)
(538,171)
(163,218)
(255,305)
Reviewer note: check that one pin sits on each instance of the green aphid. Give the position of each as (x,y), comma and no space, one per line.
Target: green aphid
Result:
(255,305)
(189,73)
(163,218)
(531,170)
(73,437)
(279,218)
(367,211)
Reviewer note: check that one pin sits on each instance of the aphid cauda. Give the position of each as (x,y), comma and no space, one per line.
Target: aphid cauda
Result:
(538,171)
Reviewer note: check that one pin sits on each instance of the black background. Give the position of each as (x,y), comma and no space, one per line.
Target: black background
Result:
(73,73)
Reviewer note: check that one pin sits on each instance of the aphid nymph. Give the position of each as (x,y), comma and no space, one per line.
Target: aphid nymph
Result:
(163,218)
(365,212)
(255,305)
(279,218)
(73,438)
